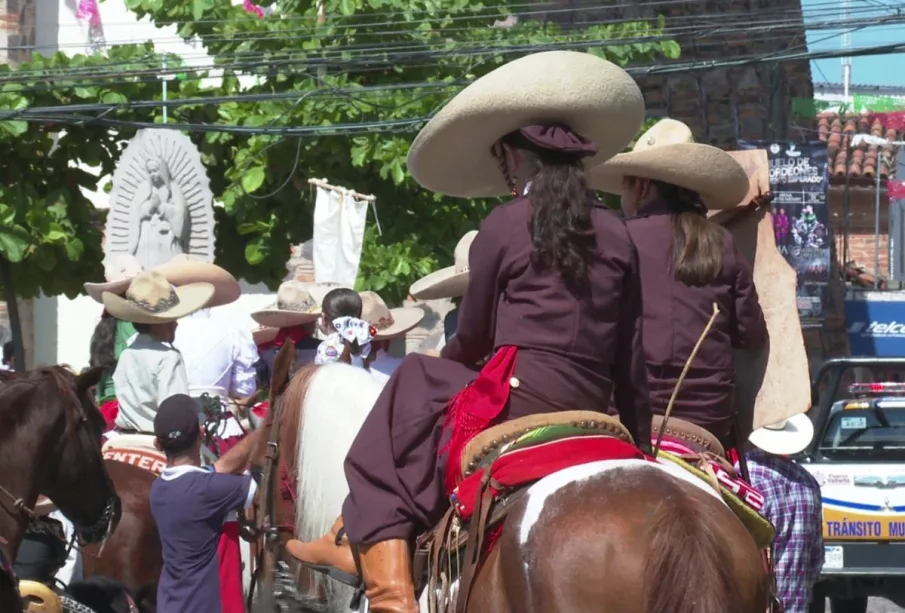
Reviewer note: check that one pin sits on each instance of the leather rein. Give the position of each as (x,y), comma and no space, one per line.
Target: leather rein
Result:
(266,520)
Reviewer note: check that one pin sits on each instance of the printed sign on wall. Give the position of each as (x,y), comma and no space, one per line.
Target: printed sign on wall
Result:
(801,216)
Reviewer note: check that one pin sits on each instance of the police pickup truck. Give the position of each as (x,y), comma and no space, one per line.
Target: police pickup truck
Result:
(858,458)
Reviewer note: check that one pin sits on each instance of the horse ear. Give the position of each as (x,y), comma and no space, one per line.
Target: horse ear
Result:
(88,379)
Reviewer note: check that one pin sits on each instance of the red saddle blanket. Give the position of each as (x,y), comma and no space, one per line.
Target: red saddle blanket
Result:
(524,466)
(733,483)
(521,467)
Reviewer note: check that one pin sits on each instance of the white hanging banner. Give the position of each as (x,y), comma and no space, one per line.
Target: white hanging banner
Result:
(339,228)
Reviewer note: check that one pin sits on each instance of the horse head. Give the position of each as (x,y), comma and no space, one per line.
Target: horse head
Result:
(51,435)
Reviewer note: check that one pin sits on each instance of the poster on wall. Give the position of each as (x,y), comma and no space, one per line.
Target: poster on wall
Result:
(801,218)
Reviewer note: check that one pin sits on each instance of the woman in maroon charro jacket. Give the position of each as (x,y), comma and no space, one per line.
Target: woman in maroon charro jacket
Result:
(687,264)
(553,296)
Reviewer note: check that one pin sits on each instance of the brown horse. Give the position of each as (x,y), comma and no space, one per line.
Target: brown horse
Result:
(132,554)
(50,444)
(622,536)
(647,543)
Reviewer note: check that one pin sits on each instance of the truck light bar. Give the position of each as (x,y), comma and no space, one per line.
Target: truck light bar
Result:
(886,388)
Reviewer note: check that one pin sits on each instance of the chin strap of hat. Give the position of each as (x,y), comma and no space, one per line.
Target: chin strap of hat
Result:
(500,155)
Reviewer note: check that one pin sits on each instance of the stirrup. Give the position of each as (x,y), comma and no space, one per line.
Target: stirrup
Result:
(333,572)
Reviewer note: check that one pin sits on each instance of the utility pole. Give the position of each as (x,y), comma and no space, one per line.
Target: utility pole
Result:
(321,20)
(164,93)
(847,60)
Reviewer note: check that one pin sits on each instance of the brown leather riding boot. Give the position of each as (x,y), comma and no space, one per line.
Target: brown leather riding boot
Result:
(324,552)
(386,569)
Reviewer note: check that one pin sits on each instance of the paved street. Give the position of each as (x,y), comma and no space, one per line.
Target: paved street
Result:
(878,605)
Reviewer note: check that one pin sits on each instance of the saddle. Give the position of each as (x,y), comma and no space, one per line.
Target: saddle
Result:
(137,450)
(498,465)
(38,598)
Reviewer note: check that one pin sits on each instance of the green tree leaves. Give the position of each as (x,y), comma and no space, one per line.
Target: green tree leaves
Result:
(386,64)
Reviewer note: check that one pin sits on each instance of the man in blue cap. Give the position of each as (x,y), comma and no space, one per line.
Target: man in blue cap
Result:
(189,504)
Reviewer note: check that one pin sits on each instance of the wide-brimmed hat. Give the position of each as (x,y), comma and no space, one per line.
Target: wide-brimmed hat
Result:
(449,282)
(319,290)
(667,152)
(787,437)
(595,98)
(121,268)
(263,334)
(152,299)
(294,307)
(388,322)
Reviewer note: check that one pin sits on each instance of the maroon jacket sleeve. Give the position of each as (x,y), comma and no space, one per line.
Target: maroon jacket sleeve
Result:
(749,330)
(631,395)
(473,340)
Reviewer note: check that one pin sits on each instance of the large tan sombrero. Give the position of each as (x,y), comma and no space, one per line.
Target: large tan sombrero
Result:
(594,97)
(294,307)
(152,299)
(449,282)
(121,268)
(319,290)
(389,323)
(667,152)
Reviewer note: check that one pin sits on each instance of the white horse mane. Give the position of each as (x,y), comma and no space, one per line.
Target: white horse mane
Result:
(338,399)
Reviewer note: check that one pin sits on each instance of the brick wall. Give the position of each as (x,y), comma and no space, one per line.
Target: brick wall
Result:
(860,226)
(17,29)
(723,105)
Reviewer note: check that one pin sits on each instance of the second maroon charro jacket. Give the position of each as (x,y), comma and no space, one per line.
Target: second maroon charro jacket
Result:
(676,314)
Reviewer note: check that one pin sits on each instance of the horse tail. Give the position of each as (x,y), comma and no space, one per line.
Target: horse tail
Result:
(690,561)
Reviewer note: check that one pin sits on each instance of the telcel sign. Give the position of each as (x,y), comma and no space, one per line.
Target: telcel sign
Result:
(877,327)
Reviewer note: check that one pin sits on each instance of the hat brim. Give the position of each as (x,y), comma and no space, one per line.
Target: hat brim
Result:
(96,290)
(192,297)
(715,175)
(179,272)
(595,98)
(261,336)
(276,318)
(404,319)
(443,283)
(795,437)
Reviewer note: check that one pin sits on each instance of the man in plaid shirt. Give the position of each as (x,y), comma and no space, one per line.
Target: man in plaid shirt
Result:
(793,505)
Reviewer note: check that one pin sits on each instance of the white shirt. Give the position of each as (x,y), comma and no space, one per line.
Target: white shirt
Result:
(148,372)
(219,357)
(383,366)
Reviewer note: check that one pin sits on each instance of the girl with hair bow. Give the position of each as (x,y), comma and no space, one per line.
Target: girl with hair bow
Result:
(351,343)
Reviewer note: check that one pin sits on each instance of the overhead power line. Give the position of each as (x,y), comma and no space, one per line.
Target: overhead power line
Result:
(72,114)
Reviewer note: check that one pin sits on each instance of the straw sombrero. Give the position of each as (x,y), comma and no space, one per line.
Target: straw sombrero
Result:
(152,299)
(121,268)
(389,323)
(667,152)
(264,334)
(449,282)
(787,437)
(294,307)
(319,290)
(594,97)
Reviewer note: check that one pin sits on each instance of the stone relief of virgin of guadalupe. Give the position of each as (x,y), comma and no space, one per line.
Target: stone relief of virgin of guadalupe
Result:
(161,203)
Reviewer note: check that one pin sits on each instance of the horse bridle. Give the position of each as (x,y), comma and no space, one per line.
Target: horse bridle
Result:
(98,528)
